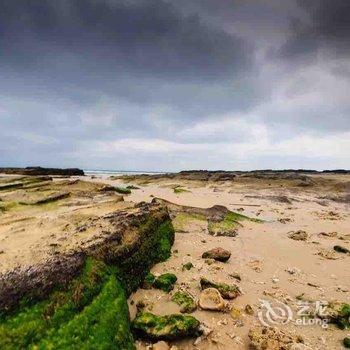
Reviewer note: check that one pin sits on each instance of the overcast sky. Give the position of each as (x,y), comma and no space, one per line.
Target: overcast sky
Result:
(171,85)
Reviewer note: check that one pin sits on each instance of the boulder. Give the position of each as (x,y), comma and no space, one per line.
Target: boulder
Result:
(211,299)
(170,327)
(218,254)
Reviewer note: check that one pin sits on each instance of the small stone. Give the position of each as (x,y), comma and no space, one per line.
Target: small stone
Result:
(298,235)
(275,280)
(340,249)
(249,310)
(218,254)
(235,276)
(187,266)
(211,299)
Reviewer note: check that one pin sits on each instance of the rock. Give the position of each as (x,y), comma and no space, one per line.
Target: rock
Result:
(170,327)
(298,235)
(187,266)
(161,345)
(211,299)
(249,310)
(218,254)
(346,342)
(340,249)
(165,282)
(269,338)
(235,276)
(184,300)
(226,291)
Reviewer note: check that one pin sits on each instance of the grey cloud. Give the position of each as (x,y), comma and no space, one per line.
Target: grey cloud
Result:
(80,72)
(326,28)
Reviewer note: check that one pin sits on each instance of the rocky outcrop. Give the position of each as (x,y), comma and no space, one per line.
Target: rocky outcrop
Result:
(43,171)
(68,295)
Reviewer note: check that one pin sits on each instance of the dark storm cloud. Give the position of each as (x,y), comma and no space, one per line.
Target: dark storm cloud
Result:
(142,38)
(327,28)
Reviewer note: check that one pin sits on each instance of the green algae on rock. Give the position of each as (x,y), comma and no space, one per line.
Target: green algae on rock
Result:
(188,266)
(170,327)
(346,342)
(342,318)
(185,301)
(123,190)
(226,291)
(165,282)
(80,301)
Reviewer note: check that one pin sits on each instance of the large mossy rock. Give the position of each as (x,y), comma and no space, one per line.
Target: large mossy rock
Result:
(149,326)
(80,301)
(227,291)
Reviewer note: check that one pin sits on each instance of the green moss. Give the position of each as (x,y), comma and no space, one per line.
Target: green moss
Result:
(229,224)
(122,190)
(342,319)
(42,321)
(104,324)
(188,266)
(182,219)
(185,301)
(132,187)
(170,327)
(92,312)
(7,206)
(165,282)
(155,247)
(346,342)
(179,189)
(226,291)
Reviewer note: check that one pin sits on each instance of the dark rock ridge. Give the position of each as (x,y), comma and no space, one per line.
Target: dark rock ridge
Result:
(43,171)
(222,175)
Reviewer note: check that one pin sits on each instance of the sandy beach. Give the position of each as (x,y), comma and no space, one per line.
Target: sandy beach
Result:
(266,263)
